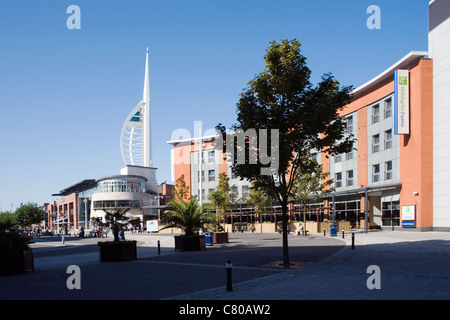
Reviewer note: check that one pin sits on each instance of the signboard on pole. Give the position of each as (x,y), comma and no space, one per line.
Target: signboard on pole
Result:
(401,102)
(408,216)
(152,226)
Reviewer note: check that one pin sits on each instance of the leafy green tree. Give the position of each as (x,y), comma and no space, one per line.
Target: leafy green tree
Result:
(8,220)
(28,214)
(181,190)
(304,117)
(311,186)
(222,197)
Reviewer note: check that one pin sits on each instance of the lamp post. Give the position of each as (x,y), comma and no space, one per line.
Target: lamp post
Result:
(85,213)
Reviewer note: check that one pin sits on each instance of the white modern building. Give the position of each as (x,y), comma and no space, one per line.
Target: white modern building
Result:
(439,51)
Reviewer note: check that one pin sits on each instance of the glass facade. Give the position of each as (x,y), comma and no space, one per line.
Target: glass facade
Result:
(121,186)
(390,213)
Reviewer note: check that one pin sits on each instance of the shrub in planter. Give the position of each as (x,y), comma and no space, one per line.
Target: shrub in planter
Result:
(117,250)
(15,254)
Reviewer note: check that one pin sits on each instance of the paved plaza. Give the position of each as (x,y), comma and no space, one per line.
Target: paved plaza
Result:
(411,265)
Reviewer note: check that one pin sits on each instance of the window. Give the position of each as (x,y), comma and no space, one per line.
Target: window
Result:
(375,143)
(349,121)
(211,175)
(338,179)
(387,108)
(350,178)
(376,173)
(245,191)
(390,214)
(376,113)
(388,139)
(349,155)
(338,158)
(203,176)
(211,156)
(388,170)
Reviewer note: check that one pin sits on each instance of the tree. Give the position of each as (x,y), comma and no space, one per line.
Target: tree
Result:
(302,117)
(181,190)
(258,199)
(187,215)
(117,218)
(311,186)
(223,197)
(7,220)
(28,214)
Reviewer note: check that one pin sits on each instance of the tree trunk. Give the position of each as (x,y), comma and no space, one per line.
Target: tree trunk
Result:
(284,207)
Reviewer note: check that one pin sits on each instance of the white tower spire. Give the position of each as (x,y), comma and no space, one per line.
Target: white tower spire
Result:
(147,124)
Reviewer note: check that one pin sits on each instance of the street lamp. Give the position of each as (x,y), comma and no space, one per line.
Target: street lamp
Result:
(85,213)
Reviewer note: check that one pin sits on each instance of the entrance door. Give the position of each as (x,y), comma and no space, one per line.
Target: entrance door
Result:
(375,209)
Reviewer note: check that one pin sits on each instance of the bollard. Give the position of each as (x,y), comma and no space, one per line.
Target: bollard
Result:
(62,239)
(353,240)
(159,248)
(343,234)
(229,266)
(324,232)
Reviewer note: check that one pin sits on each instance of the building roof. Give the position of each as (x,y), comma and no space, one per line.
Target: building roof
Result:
(78,187)
(389,72)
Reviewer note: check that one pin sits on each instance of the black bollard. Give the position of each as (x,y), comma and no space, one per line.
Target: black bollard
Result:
(343,234)
(353,240)
(229,266)
(324,232)
(159,248)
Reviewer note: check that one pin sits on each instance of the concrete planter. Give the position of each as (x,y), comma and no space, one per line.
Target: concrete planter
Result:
(190,243)
(220,237)
(112,251)
(16,262)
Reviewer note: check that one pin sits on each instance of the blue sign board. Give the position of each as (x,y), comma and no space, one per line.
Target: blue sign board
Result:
(408,224)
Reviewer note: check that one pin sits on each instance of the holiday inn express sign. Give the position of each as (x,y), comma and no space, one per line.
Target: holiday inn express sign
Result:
(401,102)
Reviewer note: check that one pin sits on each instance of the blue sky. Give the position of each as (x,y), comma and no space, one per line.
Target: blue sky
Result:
(64,94)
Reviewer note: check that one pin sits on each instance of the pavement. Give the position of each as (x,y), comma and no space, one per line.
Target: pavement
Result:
(382,265)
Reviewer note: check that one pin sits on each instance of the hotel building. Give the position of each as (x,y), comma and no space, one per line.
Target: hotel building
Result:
(398,174)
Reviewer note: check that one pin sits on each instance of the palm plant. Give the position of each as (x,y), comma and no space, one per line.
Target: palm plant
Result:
(117,218)
(187,215)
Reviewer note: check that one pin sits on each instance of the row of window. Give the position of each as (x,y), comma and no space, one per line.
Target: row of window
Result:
(105,204)
(234,190)
(210,158)
(387,141)
(376,113)
(211,175)
(387,110)
(121,186)
(376,175)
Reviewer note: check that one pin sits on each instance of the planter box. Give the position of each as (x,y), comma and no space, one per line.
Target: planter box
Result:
(220,237)
(111,251)
(190,243)
(16,262)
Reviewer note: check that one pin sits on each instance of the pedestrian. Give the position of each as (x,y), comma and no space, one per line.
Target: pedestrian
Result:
(106,232)
(121,235)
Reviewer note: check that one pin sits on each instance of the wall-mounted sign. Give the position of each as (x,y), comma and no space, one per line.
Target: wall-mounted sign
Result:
(408,216)
(401,102)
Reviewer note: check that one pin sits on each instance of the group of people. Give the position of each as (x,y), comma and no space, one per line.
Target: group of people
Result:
(299,230)
(96,232)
